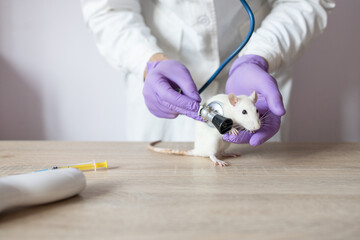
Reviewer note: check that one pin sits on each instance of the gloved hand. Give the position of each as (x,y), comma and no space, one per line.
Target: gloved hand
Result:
(163,81)
(247,74)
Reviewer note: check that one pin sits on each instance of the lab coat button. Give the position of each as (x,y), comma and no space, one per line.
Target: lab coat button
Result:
(204,20)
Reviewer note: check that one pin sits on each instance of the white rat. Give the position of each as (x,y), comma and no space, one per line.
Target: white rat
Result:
(208,141)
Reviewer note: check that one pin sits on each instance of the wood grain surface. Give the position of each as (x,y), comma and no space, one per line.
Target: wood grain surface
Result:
(276,191)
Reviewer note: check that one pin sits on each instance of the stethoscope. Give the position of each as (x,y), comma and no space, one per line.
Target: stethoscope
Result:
(213,112)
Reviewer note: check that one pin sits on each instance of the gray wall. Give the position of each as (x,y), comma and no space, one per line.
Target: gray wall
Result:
(53,82)
(54,85)
(325,104)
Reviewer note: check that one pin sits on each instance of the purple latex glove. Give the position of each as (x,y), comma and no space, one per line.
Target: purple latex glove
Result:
(163,81)
(247,74)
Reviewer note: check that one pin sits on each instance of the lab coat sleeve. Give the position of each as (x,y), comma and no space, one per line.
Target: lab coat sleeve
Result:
(289,27)
(120,33)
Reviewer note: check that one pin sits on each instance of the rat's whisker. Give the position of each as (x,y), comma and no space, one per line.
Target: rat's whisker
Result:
(242,137)
(265,116)
(266,112)
(263,119)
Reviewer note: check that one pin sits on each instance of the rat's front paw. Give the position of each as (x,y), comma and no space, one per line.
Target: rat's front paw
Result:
(234,131)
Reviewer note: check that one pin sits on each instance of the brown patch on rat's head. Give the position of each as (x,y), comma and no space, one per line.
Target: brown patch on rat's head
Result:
(233,99)
(253,97)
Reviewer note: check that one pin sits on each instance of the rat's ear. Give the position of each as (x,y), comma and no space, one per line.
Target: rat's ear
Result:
(233,99)
(253,97)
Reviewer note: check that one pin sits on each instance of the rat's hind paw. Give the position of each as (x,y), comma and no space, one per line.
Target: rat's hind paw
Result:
(221,163)
(225,154)
(218,161)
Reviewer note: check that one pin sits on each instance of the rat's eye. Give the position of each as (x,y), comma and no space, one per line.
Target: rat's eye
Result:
(244,112)
(257,111)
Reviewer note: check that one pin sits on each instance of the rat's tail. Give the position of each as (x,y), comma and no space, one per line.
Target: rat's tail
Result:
(153,148)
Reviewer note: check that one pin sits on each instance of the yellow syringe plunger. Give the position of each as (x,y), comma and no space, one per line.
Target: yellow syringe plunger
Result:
(88,166)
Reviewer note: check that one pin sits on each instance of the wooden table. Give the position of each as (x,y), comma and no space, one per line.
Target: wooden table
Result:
(276,191)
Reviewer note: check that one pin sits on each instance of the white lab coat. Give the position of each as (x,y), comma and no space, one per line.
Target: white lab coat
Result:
(200,34)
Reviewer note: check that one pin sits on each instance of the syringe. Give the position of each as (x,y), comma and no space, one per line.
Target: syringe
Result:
(81,166)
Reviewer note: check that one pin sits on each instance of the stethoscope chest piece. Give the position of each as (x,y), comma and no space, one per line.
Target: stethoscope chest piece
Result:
(213,115)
